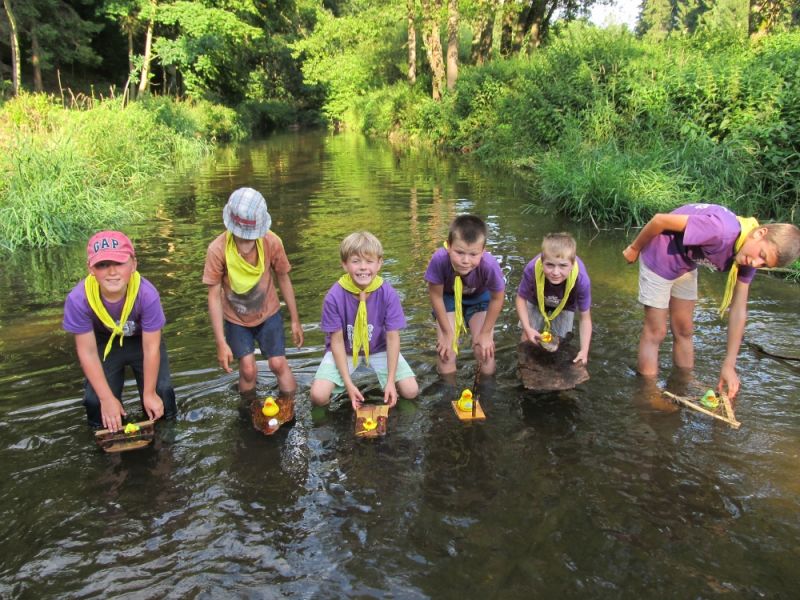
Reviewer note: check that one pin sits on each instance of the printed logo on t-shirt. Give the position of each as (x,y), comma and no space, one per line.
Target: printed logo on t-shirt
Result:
(704,262)
(350,333)
(552,301)
(130,328)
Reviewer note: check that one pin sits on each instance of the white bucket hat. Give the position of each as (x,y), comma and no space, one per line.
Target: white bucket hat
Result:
(245,215)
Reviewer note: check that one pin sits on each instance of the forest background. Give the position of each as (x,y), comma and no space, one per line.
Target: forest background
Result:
(701,102)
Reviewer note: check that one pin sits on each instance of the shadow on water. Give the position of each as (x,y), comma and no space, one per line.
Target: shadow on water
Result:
(594,492)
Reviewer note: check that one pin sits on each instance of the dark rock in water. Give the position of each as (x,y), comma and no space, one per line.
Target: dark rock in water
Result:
(545,371)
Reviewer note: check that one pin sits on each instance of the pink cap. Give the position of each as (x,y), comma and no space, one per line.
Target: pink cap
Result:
(109,245)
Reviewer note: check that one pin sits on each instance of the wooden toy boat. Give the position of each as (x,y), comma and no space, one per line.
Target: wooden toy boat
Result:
(722,409)
(269,414)
(372,420)
(131,437)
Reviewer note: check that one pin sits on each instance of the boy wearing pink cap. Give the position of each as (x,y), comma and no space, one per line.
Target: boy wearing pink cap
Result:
(116,317)
(243,264)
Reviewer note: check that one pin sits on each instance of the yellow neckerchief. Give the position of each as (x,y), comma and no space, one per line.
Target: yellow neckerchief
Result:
(242,276)
(540,281)
(458,292)
(92,289)
(747,225)
(360,327)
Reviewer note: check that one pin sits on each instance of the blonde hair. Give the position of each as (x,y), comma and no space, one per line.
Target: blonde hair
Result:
(361,243)
(786,239)
(559,245)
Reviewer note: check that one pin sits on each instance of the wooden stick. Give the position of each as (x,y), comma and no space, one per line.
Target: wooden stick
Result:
(475,388)
(729,418)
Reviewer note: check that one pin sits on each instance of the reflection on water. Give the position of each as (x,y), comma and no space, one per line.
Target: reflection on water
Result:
(592,492)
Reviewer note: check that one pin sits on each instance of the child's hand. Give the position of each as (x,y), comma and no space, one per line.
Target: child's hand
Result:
(390,394)
(532,335)
(582,357)
(730,380)
(484,347)
(112,412)
(153,406)
(631,254)
(356,397)
(224,357)
(444,347)
(297,333)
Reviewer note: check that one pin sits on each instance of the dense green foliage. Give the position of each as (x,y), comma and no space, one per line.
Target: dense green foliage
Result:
(64,172)
(613,129)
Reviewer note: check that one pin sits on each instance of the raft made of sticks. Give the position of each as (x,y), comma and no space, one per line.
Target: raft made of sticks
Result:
(119,441)
(724,412)
(372,413)
(269,425)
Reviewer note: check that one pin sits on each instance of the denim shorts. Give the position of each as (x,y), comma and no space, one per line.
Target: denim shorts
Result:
(471,306)
(269,335)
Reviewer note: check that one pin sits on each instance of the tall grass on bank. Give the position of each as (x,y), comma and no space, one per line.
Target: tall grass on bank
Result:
(612,129)
(64,173)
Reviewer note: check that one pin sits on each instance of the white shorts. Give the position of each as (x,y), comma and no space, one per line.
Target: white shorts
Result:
(560,326)
(656,291)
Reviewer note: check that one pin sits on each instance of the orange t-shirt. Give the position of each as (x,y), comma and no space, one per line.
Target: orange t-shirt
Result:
(254,307)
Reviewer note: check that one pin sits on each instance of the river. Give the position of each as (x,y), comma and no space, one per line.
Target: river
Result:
(588,493)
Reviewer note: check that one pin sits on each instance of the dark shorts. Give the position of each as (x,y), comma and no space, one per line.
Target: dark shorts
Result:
(269,335)
(475,304)
(130,354)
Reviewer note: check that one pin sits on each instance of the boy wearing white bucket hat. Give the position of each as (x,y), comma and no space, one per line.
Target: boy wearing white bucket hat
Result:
(241,269)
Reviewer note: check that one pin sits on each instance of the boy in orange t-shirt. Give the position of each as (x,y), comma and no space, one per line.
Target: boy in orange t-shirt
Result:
(243,304)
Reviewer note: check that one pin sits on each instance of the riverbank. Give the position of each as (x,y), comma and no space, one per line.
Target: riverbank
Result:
(67,171)
(609,129)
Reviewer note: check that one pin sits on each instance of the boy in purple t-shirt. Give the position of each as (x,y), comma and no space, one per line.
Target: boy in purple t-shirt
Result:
(466,288)
(554,285)
(117,318)
(669,248)
(362,318)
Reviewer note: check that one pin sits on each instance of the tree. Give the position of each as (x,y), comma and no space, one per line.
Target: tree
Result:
(657,19)
(767,16)
(412,43)
(126,13)
(452,44)
(433,45)
(482,36)
(14,35)
(150,14)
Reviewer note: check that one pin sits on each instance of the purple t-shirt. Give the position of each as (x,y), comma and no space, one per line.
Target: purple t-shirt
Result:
(708,239)
(486,276)
(384,313)
(580,297)
(146,315)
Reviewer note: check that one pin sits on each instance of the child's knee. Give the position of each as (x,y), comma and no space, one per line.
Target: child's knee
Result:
(408,388)
(320,392)
(248,370)
(278,364)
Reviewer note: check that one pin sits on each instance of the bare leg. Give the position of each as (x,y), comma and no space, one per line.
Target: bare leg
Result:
(283,373)
(653,333)
(320,393)
(445,367)
(407,388)
(248,373)
(488,367)
(681,322)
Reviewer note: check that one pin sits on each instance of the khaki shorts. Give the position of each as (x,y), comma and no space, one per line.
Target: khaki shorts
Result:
(560,326)
(656,291)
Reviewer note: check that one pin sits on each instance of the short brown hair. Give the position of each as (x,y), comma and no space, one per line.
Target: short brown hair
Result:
(786,239)
(361,243)
(560,245)
(467,228)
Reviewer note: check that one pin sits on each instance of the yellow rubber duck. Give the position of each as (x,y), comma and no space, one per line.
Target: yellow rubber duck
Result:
(130,428)
(369,424)
(270,408)
(546,337)
(465,402)
(710,399)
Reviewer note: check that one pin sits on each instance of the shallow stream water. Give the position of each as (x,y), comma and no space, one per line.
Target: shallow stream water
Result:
(588,493)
